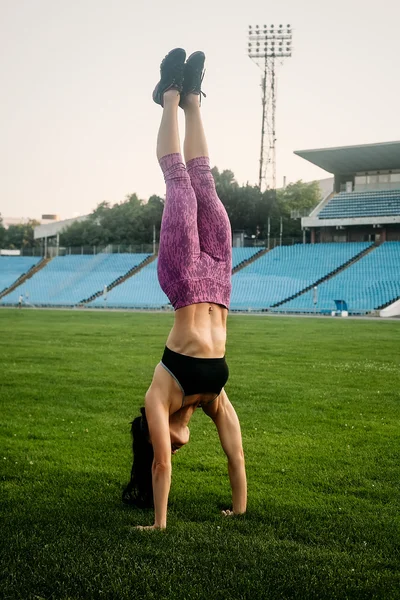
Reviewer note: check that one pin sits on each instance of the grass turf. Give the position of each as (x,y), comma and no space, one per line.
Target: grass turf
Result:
(319,405)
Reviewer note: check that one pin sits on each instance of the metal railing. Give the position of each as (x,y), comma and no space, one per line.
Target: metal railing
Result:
(53,251)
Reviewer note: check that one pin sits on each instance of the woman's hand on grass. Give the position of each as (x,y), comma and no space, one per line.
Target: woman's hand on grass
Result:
(143,527)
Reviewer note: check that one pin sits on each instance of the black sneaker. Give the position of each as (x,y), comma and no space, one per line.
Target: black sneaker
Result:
(171,71)
(194,74)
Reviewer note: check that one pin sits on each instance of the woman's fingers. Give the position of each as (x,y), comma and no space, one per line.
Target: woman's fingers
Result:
(143,527)
(228,513)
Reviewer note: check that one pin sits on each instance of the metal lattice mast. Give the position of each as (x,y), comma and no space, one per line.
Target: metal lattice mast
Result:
(265,45)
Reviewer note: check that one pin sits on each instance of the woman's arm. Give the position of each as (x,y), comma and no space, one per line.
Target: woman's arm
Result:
(157,415)
(226,420)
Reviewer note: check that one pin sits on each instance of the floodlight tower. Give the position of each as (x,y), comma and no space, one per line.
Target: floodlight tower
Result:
(266,44)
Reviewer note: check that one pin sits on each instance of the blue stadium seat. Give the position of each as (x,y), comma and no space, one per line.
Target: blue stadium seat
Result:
(272,278)
(367,284)
(143,290)
(381,203)
(139,291)
(12,267)
(239,255)
(67,280)
(286,270)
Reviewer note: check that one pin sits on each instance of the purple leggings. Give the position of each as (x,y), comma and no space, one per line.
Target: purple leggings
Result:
(195,255)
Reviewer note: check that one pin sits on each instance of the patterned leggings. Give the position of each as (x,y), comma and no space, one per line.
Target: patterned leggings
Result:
(195,255)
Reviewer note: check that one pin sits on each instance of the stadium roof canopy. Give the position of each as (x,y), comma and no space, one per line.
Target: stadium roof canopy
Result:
(55,227)
(348,160)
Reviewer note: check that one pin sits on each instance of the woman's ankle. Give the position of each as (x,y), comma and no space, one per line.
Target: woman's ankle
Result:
(190,101)
(171,97)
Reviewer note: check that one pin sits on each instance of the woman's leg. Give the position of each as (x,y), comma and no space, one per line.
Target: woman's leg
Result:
(179,239)
(212,220)
(168,141)
(195,143)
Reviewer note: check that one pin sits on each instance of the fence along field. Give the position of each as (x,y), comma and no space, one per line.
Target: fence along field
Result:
(318,401)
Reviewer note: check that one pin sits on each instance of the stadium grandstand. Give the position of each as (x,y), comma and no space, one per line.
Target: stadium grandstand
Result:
(287,270)
(351,266)
(364,204)
(365,276)
(366,285)
(12,268)
(79,279)
(141,291)
(71,280)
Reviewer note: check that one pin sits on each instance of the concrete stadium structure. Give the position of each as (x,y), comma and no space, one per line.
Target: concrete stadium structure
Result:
(364,204)
(353,259)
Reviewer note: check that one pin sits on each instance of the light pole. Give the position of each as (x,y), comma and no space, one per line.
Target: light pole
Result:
(267,43)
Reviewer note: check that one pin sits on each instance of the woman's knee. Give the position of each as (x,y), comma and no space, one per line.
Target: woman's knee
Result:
(177,173)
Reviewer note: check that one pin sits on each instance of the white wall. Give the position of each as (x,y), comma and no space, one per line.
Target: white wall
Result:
(393,310)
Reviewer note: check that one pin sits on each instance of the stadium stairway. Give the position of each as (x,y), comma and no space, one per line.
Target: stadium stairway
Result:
(121,279)
(25,276)
(342,267)
(322,204)
(252,258)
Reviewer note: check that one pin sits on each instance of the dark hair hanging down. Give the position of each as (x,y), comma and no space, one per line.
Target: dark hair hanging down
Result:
(139,491)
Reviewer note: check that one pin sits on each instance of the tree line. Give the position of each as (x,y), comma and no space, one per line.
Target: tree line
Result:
(18,236)
(132,220)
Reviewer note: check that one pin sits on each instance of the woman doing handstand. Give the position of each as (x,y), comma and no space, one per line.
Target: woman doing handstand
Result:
(194,271)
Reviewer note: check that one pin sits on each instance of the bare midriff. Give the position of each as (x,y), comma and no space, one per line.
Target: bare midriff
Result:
(199,330)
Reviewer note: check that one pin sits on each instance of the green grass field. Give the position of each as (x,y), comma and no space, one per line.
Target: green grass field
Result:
(318,400)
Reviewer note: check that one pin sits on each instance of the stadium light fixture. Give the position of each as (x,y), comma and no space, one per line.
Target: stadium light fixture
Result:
(265,45)
(276,42)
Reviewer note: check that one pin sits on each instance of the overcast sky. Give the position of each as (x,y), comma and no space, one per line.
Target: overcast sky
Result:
(78,126)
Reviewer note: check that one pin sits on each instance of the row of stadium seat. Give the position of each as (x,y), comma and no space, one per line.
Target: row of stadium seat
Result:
(362,204)
(13,267)
(287,270)
(349,212)
(67,280)
(375,193)
(250,288)
(143,290)
(240,255)
(273,278)
(365,285)
(140,291)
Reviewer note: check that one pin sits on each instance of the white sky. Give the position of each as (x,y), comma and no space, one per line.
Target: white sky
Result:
(78,126)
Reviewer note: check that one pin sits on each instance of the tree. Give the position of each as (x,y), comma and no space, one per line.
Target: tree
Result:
(151,216)
(123,221)
(128,222)
(300,198)
(84,233)
(21,236)
(132,220)
(2,232)
(243,209)
(248,209)
(225,182)
(268,208)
